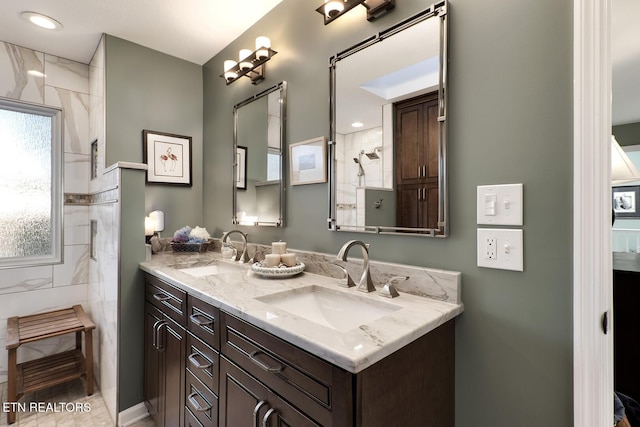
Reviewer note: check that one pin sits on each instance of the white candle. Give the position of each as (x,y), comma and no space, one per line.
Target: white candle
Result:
(279,247)
(272,260)
(289,259)
(149,226)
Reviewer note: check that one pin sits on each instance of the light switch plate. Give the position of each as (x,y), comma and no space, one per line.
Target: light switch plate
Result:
(500,248)
(499,204)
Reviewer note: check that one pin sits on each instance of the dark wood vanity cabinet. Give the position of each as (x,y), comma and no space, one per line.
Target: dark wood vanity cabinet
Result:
(416,154)
(233,374)
(413,387)
(164,354)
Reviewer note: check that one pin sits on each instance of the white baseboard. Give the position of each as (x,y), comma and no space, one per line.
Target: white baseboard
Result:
(132,415)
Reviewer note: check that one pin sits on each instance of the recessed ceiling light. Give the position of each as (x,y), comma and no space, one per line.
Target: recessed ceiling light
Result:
(42,21)
(357,124)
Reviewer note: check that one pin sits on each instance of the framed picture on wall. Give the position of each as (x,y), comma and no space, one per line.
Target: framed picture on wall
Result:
(241,167)
(168,158)
(626,200)
(307,161)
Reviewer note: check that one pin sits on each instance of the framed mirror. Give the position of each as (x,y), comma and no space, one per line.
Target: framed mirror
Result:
(258,175)
(388,168)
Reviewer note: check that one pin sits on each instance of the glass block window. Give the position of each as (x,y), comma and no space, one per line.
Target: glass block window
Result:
(31,190)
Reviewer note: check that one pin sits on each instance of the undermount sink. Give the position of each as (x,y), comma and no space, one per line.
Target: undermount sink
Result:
(341,311)
(202,269)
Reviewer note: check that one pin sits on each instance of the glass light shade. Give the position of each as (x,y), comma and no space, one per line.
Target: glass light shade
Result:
(244,53)
(158,218)
(622,168)
(228,65)
(262,42)
(333,8)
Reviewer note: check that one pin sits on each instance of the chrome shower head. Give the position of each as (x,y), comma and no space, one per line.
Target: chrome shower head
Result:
(356,160)
(372,156)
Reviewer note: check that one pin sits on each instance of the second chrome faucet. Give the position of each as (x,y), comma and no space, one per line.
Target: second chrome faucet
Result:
(365,284)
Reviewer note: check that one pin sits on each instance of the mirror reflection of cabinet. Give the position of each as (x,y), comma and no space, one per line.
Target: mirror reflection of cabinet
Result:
(258,190)
(388,130)
(416,161)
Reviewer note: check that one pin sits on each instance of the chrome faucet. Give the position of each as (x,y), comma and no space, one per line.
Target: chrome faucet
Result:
(244,257)
(365,284)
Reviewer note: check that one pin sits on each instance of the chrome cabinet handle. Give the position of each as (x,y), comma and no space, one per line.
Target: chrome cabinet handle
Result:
(419,197)
(419,171)
(256,410)
(196,405)
(265,420)
(195,319)
(161,297)
(194,362)
(267,368)
(424,194)
(154,337)
(160,335)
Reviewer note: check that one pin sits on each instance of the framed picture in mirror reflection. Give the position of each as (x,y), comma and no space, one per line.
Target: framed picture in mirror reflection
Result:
(626,201)
(241,167)
(308,161)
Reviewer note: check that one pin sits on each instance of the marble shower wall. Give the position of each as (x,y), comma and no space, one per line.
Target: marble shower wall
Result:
(63,84)
(348,182)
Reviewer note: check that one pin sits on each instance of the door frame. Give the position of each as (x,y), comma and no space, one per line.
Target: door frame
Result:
(592,256)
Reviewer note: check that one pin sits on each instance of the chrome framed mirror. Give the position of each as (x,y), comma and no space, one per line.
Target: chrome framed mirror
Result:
(388,110)
(258,171)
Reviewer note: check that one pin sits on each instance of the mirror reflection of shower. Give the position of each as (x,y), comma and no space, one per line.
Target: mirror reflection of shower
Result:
(372,155)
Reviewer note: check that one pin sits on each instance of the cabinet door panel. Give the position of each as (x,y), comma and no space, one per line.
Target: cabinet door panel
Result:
(240,395)
(152,373)
(174,362)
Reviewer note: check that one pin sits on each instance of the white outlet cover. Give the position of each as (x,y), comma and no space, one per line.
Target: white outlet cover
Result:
(507,203)
(509,250)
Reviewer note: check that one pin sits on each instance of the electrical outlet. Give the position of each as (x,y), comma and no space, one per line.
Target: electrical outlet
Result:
(490,248)
(500,248)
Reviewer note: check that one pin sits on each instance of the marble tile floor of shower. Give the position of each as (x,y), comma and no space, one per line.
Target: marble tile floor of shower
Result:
(93,413)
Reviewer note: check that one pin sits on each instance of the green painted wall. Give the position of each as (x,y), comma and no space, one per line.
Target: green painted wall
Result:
(131,292)
(146,89)
(510,121)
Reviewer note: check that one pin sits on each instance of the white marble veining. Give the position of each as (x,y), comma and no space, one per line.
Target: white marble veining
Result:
(352,350)
(76,117)
(66,74)
(25,279)
(76,173)
(16,82)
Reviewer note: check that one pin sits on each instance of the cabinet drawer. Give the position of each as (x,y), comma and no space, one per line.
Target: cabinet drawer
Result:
(204,321)
(171,300)
(201,401)
(301,378)
(203,362)
(190,420)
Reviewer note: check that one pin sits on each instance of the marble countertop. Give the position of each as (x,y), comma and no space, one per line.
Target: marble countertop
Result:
(354,350)
(626,261)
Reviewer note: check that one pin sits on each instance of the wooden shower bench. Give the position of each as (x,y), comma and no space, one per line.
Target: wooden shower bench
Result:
(49,370)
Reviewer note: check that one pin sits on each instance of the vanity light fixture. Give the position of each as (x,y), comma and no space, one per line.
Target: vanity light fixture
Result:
(333,9)
(41,20)
(250,64)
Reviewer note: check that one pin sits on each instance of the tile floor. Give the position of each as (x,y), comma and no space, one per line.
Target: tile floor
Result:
(71,392)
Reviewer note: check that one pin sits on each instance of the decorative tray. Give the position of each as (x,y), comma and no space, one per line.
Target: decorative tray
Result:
(281,271)
(190,247)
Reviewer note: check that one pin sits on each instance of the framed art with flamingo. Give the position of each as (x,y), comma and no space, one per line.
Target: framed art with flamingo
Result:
(168,158)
